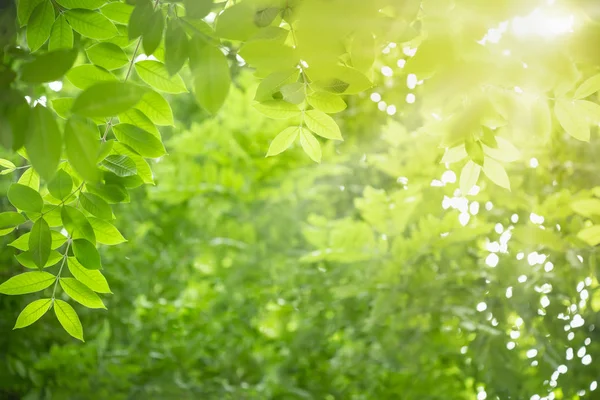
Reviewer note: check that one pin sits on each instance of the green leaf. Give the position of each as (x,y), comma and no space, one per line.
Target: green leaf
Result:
(176,47)
(588,87)
(155,107)
(265,16)
(81,293)
(293,93)
(82,144)
(87,4)
(155,74)
(283,140)
(91,24)
(32,312)
(26,259)
(138,21)
(505,151)
(61,36)
(273,83)
(10,219)
(92,278)
(474,150)
(48,67)
(10,167)
(106,99)
(237,22)
(30,178)
(268,56)
(469,176)
(197,8)
(143,142)
(25,8)
(22,242)
(111,192)
(25,198)
(106,233)
(61,185)
(107,55)
(76,224)
(40,242)
(586,207)
(153,33)
(496,172)
(139,119)
(340,79)
(589,235)
(277,109)
(211,75)
(27,282)
(326,102)
(572,119)
(68,319)
(40,24)
(84,76)
(117,11)
(44,142)
(310,145)
(87,254)
(143,169)
(322,124)
(95,205)
(120,165)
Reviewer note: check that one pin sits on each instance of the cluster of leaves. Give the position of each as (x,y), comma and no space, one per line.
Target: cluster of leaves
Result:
(87,150)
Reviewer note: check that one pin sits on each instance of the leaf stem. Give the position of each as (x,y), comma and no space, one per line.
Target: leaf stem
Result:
(62,264)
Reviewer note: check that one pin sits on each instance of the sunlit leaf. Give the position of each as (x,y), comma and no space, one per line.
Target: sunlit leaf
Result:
(68,319)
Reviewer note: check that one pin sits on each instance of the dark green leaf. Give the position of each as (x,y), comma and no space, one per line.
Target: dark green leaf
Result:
(153,33)
(82,143)
(138,22)
(40,242)
(87,254)
(40,24)
(84,76)
(48,67)
(95,205)
(10,219)
(211,75)
(61,185)
(197,8)
(25,198)
(77,224)
(44,142)
(176,47)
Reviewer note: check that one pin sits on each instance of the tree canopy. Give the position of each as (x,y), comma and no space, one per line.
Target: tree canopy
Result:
(299,199)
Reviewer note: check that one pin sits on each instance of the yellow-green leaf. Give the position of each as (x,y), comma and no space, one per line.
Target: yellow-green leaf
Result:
(68,318)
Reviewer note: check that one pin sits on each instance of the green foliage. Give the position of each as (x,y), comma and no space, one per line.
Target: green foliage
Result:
(271,277)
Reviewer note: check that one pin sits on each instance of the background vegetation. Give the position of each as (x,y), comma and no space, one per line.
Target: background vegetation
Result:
(381,272)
